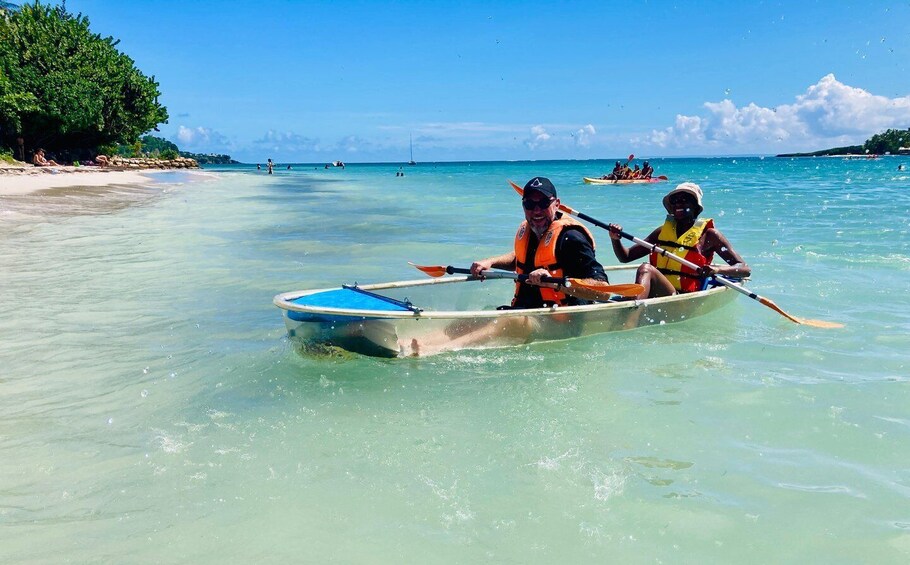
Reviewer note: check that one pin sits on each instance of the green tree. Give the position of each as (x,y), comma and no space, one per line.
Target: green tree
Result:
(152,144)
(888,141)
(62,86)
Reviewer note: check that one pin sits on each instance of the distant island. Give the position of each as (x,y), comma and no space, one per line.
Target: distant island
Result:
(889,142)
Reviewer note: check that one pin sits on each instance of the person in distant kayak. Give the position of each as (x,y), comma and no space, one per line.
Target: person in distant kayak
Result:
(646,170)
(685,235)
(548,244)
(615,173)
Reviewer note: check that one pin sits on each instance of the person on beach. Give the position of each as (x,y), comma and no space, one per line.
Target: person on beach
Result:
(270,165)
(685,235)
(548,244)
(39,160)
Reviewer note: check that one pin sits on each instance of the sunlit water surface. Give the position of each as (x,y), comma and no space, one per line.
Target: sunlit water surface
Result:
(153,410)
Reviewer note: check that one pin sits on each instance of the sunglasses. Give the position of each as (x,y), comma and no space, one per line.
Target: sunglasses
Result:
(532,204)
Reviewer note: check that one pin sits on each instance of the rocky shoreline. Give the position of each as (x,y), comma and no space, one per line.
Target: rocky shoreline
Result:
(149,163)
(116,163)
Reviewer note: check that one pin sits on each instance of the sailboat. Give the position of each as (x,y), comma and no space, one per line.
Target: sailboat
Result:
(411,139)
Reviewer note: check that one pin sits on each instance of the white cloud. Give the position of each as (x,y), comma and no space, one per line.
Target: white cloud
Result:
(538,137)
(201,139)
(288,142)
(583,136)
(829,113)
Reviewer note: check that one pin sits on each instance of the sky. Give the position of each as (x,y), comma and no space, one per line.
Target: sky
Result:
(318,81)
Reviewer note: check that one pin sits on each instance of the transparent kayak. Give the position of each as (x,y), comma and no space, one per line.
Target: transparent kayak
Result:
(429,316)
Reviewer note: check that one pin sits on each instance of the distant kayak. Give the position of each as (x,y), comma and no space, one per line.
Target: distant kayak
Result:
(590,180)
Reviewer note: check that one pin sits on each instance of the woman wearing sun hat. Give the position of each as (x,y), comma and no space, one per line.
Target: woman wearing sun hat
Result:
(685,235)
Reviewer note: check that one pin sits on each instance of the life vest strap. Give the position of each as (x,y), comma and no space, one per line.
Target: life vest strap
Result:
(678,273)
(674,244)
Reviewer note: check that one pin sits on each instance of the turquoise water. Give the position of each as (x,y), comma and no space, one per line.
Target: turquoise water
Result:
(153,409)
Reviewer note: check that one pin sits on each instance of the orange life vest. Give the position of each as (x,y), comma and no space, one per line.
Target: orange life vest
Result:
(545,256)
(685,245)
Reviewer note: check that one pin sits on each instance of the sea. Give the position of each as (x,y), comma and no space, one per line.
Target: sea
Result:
(153,409)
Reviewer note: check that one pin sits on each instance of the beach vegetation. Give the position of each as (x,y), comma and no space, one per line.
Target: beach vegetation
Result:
(889,141)
(64,87)
(6,156)
(152,145)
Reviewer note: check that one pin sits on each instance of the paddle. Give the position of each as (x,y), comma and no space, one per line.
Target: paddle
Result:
(570,285)
(663,177)
(724,281)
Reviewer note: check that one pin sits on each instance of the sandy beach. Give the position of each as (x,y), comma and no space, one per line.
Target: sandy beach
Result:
(18,180)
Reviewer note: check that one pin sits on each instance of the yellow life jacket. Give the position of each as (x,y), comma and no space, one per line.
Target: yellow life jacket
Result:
(683,278)
(545,256)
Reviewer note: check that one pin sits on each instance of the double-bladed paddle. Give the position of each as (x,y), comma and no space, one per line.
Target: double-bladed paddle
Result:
(569,285)
(722,280)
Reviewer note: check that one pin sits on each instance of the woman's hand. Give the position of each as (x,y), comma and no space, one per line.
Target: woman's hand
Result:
(614,231)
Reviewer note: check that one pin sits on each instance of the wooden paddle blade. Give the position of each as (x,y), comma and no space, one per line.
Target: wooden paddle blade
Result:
(805,321)
(663,177)
(432,270)
(626,290)
(820,323)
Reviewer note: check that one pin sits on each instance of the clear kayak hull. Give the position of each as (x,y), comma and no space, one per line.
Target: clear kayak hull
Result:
(430,316)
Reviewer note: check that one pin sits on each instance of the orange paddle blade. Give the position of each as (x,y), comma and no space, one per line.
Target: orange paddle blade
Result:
(432,270)
(805,321)
(626,290)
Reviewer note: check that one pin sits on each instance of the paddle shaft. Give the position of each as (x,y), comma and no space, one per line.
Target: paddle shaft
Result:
(506,275)
(722,280)
(651,247)
(660,250)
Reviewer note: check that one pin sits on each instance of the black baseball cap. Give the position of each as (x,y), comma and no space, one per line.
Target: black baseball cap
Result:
(541,185)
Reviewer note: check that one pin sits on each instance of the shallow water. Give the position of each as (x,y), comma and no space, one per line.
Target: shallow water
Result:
(154,411)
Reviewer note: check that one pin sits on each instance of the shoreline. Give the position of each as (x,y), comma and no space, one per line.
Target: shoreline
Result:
(22,180)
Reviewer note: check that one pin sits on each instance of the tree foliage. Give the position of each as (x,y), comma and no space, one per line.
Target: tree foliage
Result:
(62,86)
(888,141)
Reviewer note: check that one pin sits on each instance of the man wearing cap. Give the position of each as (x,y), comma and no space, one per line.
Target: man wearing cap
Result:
(685,235)
(548,244)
